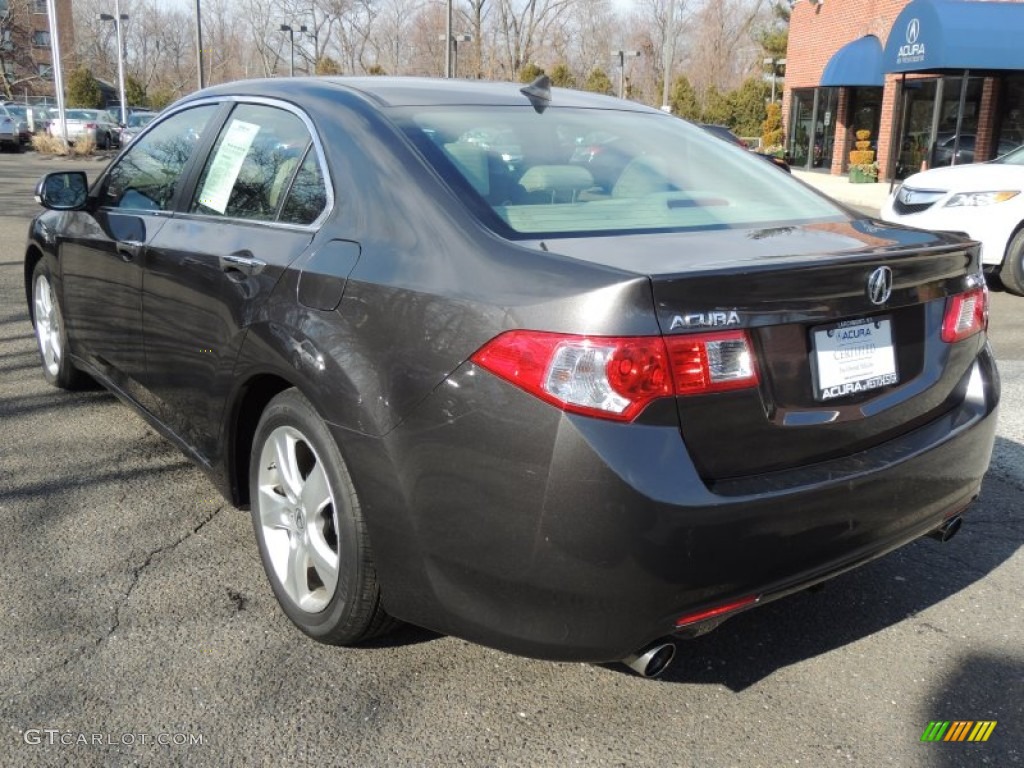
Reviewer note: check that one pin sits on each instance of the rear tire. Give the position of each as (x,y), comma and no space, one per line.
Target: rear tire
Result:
(1012,271)
(51,333)
(309,526)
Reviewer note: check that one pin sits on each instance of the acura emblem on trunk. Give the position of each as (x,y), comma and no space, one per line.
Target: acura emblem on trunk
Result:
(880,285)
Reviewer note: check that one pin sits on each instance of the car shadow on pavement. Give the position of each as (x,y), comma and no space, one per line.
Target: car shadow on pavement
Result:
(855,605)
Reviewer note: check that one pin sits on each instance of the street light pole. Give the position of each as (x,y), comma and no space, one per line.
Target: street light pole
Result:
(621,56)
(291,34)
(117,19)
(58,74)
(448,42)
(199,42)
(774,64)
(670,54)
(316,45)
(453,43)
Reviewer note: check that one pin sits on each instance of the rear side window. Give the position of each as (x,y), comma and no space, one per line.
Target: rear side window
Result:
(308,197)
(253,164)
(146,177)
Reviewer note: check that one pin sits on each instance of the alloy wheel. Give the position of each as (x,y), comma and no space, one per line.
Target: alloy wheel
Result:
(298,519)
(47,321)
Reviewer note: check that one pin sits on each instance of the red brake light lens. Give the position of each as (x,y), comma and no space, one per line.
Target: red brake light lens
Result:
(617,377)
(966,315)
(712,362)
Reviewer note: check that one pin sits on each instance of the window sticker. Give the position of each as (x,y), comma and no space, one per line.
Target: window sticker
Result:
(227,163)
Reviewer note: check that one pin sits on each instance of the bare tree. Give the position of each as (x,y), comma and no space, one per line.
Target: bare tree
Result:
(524,28)
(723,50)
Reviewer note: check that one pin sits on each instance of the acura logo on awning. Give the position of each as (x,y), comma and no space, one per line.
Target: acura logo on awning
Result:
(880,285)
(913,31)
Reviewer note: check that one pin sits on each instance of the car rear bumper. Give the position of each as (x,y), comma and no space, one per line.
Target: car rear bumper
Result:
(565,537)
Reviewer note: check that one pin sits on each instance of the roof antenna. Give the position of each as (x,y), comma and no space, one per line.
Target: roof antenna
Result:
(539,93)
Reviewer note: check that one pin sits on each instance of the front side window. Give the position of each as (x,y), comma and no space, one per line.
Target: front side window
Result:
(146,177)
(253,163)
(554,172)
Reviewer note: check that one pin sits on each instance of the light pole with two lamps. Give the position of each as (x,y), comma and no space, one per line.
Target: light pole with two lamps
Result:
(621,57)
(453,47)
(117,19)
(774,64)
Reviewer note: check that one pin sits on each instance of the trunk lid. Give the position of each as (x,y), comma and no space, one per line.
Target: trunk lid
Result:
(804,295)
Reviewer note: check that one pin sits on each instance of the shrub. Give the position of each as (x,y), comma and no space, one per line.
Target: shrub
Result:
(83,146)
(45,144)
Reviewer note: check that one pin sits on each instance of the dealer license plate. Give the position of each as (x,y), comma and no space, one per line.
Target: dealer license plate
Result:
(853,357)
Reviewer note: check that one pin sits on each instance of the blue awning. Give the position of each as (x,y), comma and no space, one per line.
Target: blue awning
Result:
(856,63)
(933,35)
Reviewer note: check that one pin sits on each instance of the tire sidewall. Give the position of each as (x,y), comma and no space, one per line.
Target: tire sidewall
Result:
(1012,272)
(292,409)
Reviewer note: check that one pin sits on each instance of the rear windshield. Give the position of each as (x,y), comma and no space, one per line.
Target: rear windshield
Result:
(571,171)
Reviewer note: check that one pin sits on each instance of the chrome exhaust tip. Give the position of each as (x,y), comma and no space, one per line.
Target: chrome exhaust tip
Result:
(651,661)
(948,529)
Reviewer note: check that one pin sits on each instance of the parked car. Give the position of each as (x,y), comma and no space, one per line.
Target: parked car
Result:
(725,134)
(96,124)
(985,200)
(945,143)
(13,129)
(492,400)
(20,113)
(137,120)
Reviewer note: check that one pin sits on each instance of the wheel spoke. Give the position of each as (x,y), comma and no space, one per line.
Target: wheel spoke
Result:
(325,559)
(297,579)
(287,465)
(274,509)
(316,493)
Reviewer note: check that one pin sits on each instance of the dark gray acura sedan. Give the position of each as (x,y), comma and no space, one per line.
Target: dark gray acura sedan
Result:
(592,381)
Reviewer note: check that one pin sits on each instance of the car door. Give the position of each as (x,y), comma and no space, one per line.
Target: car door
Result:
(251,214)
(104,252)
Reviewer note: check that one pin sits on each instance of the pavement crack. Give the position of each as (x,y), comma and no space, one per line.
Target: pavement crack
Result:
(136,572)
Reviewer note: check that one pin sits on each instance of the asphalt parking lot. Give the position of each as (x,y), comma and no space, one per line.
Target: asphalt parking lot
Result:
(136,626)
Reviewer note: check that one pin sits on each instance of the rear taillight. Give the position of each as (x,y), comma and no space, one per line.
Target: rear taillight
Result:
(966,315)
(90,125)
(617,377)
(712,362)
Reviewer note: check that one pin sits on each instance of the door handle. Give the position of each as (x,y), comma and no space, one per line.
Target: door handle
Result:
(129,250)
(242,261)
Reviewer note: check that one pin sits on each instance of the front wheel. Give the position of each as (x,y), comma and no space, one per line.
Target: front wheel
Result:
(51,335)
(1012,271)
(309,526)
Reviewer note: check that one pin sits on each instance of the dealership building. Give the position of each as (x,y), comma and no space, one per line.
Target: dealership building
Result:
(934,82)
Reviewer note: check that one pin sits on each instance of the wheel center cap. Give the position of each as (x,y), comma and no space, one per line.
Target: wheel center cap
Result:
(300,519)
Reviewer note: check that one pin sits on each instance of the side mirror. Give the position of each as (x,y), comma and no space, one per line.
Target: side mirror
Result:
(63,191)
